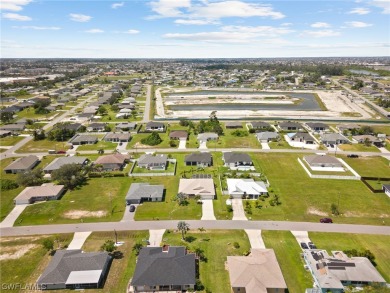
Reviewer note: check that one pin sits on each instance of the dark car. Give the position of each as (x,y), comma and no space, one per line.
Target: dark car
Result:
(326,220)
(132,208)
(312,245)
(332,145)
(121,143)
(352,156)
(304,245)
(61,152)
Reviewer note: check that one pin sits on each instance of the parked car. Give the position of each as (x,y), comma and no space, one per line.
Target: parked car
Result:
(326,220)
(61,152)
(352,156)
(132,208)
(304,245)
(121,143)
(312,245)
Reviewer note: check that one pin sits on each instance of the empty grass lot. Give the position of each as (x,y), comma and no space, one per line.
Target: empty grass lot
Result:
(369,166)
(288,253)
(42,146)
(217,245)
(305,199)
(377,244)
(11,140)
(228,140)
(358,147)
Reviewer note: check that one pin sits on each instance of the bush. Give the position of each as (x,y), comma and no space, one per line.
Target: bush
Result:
(7,184)
(152,139)
(240,133)
(236,245)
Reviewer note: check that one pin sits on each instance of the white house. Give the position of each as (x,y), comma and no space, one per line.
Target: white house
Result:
(246,188)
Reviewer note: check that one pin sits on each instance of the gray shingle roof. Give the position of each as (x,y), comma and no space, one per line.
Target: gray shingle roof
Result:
(155,267)
(199,157)
(150,159)
(144,190)
(22,163)
(260,124)
(59,162)
(266,135)
(233,157)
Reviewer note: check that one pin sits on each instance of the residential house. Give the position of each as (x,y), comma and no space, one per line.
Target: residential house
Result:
(155,126)
(126,126)
(59,162)
(233,125)
(260,125)
(140,192)
(317,126)
(322,161)
(71,126)
(301,137)
(207,136)
(199,160)
(347,127)
(47,191)
(161,269)
(112,162)
(203,187)
(370,139)
(5,133)
(386,189)
(22,164)
(178,134)
(117,137)
(259,272)
(246,188)
(289,126)
(80,139)
(151,162)
(267,136)
(14,128)
(96,127)
(333,273)
(75,269)
(333,138)
(239,161)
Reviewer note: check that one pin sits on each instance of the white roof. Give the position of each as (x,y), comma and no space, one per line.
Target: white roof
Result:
(84,277)
(248,186)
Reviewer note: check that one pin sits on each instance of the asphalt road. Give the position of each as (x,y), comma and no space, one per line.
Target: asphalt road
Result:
(194,224)
(147,104)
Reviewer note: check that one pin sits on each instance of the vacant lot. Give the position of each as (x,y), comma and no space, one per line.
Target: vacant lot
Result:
(288,253)
(10,140)
(359,147)
(369,166)
(377,244)
(43,146)
(216,245)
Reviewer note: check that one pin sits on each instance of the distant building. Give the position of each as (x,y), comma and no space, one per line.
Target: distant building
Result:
(22,164)
(31,194)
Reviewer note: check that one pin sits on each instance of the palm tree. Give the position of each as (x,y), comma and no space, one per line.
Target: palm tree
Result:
(183,227)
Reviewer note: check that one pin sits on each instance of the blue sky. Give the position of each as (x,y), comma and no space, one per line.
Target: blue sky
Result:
(194,28)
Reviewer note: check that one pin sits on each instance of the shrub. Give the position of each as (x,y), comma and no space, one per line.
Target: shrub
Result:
(152,139)
(7,184)
(236,245)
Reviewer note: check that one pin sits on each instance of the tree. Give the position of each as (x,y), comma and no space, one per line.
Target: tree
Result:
(183,227)
(30,178)
(108,246)
(6,117)
(60,132)
(48,244)
(153,139)
(102,110)
(137,248)
(70,175)
(39,134)
(181,199)
(100,151)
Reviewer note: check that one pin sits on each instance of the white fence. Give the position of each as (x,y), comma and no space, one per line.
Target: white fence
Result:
(341,177)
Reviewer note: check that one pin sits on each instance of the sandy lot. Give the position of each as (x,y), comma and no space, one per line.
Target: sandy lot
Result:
(78,214)
(15,252)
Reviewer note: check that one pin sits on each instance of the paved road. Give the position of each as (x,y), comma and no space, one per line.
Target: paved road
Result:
(147,104)
(194,224)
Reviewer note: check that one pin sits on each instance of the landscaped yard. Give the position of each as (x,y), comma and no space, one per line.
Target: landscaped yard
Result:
(377,244)
(11,140)
(216,245)
(369,166)
(288,253)
(358,147)
(43,146)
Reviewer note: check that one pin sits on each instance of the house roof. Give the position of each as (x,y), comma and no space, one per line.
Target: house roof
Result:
(17,127)
(233,124)
(145,190)
(112,159)
(316,124)
(332,136)
(233,157)
(199,157)
(289,124)
(170,267)
(118,135)
(74,266)
(256,272)
(84,138)
(322,159)
(302,135)
(126,125)
(260,124)
(23,163)
(48,189)
(96,125)
(150,159)
(207,135)
(267,135)
(362,138)
(197,186)
(247,186)
(178,133)
(59,162)
(154,124)
(386,186)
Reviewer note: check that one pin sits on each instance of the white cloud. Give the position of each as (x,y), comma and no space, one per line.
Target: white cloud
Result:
(320,25)
(357,24)
(15,16)
(132,32)
(360,11)
(195,21)
(54,28)
(117,5)
(79,17)
(94,31)
(384,4)
(169,8)
(320,33)
(286,24)
(13,5)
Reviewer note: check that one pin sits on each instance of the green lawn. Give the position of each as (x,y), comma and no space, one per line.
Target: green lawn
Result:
(288,253)
(228,140)
(43,146)
(105,145)
(135,142)
(358,147)
(11,140)
(97,201)
(369,166)
(381,129)
(377,244)
(217,245)
(305,199)
(29,113)
(281,144)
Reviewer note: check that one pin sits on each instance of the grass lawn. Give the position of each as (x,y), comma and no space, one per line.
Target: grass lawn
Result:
(314,172)
(381,128)
(90,203)
(305,199)
(377,244)
(377,185)
(11,140)
(288,253)
(217,245)
(281,144)
(42,146)
(369,166)
(228,140)
(135,142)
(101,144)
(358,147)
(29,113)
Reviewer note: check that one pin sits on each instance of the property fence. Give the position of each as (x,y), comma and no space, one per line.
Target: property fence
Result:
(365,179)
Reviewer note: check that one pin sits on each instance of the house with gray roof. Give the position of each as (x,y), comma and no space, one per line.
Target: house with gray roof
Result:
(167,268)
(207,136)
(333,138)
(112,162)
(140,192)
(96,127)
(14,128)
(386,189)
(317,126)
(178,134)
(260,125)
(370,139)
(75,269)
(31,194)
(289,126)
(323,161)
(233,125)
(151,162)
(126,126)
(199,160)
(301,137)
(240,161)
(267,136)
(80,139)
(22,165)
(117,137)
(59,162)
(155,126)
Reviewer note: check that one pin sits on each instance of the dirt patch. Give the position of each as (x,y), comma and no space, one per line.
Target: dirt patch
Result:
(77,214)
(313,211)
(29,238)
(15,251)
(139,145)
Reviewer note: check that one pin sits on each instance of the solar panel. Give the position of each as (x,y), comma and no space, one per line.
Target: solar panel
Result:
(337,268)
(201,176)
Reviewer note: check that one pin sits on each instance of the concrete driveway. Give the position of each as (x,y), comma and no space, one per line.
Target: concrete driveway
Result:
(203,145)
(78,240)
(265,146)
(13,215)
(182,144)
(301,236)
(255,238)
(127,215)
(155,237)
(207,210)
(238,210)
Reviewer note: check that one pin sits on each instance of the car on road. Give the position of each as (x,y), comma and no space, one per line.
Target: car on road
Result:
(61,152)
(312,245)
(132,208)
(352,156)
(304,245)
(326,220)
